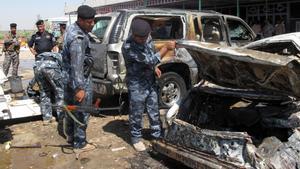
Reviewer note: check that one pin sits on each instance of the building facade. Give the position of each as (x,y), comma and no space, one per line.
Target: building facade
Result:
(249,10)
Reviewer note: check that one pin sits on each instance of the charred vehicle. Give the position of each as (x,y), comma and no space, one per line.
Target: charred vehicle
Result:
(285,44)
(179,73)
(245,113)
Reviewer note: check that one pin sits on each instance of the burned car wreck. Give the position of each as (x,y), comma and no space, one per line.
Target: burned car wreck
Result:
(244,114)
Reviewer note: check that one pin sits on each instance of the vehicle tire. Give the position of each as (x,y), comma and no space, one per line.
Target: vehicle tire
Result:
(172,88)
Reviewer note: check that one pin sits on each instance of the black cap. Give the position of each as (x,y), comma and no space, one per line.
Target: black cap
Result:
(140,27)
(86,12)
(13,25)
(39,22)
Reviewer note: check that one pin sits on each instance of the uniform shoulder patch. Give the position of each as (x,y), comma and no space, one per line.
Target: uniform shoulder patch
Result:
(79,35)
(127,45)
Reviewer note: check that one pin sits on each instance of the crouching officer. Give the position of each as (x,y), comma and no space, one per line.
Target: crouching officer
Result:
(48,74)
(11,50)
(77,63)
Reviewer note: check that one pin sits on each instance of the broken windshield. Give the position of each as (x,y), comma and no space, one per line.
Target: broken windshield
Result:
(101,26)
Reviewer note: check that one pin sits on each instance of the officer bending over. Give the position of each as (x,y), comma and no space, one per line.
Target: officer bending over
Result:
(48,74)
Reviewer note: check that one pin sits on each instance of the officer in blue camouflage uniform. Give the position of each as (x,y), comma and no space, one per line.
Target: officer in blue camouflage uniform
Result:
(77,63)
(141,60)
(48,74)
(11,50)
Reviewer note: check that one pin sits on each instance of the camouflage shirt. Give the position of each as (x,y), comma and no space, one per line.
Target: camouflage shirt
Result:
(11,43)
(60,42)
(76,57)
(140,61)
(50,60)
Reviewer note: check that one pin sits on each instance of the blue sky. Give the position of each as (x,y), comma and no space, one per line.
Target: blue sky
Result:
(25,12)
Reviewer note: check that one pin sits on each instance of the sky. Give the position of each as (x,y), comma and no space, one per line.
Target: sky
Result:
(26,12)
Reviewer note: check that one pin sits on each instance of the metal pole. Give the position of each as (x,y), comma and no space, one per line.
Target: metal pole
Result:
(145,3)
(238,8)
(266,9)
(200,5)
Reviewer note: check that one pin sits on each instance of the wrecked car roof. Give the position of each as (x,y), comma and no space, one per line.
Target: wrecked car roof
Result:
(245,68)
(294,37)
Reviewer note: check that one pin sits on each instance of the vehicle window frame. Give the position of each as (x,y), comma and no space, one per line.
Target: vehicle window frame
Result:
(245,25)
(132,16)
(109,18)
(222,27)
(199,25)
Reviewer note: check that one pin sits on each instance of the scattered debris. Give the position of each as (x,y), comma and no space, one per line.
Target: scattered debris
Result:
(118,149)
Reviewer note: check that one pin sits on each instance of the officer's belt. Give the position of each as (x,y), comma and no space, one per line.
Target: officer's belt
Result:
(11,52)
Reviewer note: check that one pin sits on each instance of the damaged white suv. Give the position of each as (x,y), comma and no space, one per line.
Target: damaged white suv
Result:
(179,73)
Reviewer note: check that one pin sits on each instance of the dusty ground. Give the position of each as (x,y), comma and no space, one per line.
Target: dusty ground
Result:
(110,134)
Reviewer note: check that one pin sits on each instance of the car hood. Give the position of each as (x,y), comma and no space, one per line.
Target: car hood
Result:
(245,68)
(289,37)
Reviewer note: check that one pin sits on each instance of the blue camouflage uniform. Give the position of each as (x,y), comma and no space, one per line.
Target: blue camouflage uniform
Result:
(48,74)
(77,63)
(140,63)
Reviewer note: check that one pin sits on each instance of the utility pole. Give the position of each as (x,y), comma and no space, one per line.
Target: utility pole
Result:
(145,3)
(238,8)
(200,5)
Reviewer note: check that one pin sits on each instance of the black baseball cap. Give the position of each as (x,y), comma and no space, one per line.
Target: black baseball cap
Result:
(86,12)
(39,22)
(140,27)
(13,25)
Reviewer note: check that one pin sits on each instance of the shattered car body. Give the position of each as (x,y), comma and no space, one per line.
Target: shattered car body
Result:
(245,115)
(285,44)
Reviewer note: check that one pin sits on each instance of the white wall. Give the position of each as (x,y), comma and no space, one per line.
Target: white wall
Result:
(93,3)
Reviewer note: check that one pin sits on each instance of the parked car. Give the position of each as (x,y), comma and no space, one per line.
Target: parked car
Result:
(179,73)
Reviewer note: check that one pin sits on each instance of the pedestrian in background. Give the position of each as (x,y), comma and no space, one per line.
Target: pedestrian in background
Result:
(256,27)
(77,64)
(279,27)
(268,29)
(141,61)
(11,51)
(60,39)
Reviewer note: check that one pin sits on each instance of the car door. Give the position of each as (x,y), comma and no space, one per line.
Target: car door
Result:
(101,29)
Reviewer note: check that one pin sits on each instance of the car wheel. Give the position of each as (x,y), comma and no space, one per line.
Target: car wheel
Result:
(172,89)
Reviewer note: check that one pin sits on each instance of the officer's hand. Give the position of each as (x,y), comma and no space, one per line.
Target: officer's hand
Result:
(171,45)
(157,72)
(80,95)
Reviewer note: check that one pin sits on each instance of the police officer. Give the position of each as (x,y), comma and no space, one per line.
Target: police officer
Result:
(11,50)
(48,74)
(60,39)
(141,65)
(41,41)
(77,63)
